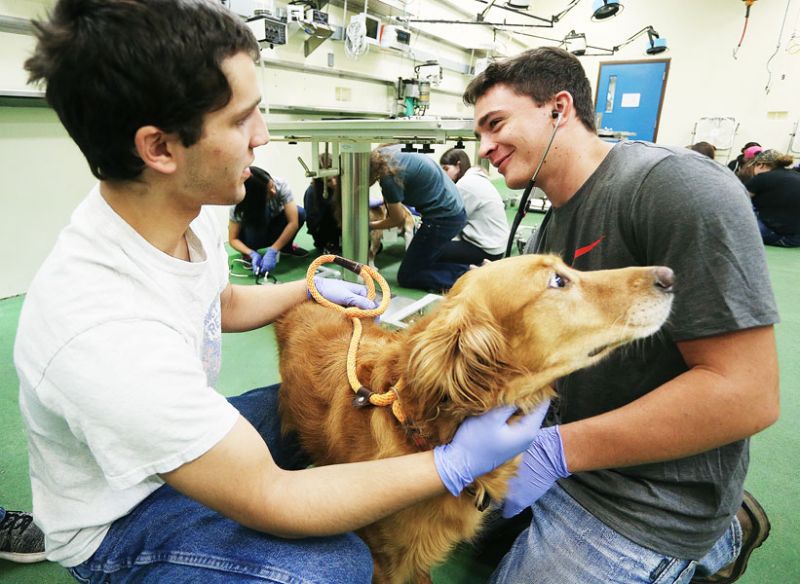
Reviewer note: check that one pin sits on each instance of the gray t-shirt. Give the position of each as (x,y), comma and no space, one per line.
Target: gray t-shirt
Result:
(653,205)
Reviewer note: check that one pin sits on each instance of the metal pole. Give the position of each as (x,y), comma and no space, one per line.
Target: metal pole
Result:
(355,203)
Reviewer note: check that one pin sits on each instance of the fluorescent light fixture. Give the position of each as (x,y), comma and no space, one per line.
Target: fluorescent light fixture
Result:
(602,9)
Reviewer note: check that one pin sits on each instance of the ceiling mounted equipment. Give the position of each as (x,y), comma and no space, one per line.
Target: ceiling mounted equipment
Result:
(655,44)
(602,9)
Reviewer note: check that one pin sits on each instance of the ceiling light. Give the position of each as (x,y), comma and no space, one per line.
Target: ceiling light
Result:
(575,43)
(655,44)
(602,9)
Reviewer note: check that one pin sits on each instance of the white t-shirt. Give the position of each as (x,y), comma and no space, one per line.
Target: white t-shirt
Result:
(117,352)
(487,227)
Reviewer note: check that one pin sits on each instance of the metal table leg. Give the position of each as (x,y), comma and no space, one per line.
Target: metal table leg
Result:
(355,203)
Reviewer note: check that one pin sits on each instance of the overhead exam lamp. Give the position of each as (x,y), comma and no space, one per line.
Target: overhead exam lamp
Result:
(655,44)
(575,43)
(602,9)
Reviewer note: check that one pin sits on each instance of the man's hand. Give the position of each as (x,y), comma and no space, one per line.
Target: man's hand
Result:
(483,443)
(343,293)
(542,465)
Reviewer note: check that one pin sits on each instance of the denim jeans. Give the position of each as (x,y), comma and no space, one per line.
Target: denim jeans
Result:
(421,267)
(769,237)
(567,544)
(170,538)
(464,252)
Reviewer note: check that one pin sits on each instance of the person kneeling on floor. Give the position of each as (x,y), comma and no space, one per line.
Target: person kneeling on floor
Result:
(268,218)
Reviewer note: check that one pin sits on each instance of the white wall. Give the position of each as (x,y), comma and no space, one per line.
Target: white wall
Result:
(43,175)
(704,78)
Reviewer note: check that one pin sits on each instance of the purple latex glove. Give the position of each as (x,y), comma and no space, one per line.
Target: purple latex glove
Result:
(269,261)
(343,293)
(255,261)
(483,443)
(542,465)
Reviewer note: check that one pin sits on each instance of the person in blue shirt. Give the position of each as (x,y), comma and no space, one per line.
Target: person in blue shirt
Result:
(415,180)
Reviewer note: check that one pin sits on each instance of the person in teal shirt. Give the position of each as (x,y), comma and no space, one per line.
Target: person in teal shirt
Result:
(415,180)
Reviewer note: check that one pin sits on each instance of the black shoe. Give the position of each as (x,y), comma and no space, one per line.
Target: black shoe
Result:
(755,531)
(296,251)
(20,539)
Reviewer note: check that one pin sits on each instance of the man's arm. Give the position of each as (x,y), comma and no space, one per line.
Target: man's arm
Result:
(337,498)
(316,501)
(730,392)
(394,218)
(246,308)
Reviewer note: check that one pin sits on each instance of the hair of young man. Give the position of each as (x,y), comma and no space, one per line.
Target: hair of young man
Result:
(114,66)
(704,148)
(252,209)
(540,74)
(456,157)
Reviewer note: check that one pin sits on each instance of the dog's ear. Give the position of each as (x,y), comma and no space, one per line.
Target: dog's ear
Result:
(455,359)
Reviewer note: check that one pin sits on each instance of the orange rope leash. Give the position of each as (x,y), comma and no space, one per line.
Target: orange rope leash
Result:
(370,276)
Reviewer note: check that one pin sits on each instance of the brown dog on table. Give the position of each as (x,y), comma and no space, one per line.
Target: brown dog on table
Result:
(503,334)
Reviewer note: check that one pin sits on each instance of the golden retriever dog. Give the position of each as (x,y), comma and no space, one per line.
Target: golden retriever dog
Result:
(503,334)
(406,230)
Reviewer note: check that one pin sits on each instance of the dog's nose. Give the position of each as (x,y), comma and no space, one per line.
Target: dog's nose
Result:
(665,278)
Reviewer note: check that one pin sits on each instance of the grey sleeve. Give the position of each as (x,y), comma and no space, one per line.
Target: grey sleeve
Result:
(695,217)
(284,190)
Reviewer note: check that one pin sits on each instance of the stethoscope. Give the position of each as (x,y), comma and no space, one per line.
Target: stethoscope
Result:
(522,210)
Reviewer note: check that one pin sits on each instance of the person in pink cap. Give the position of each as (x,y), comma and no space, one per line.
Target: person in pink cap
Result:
(745,171)
(737,163)
(750,153)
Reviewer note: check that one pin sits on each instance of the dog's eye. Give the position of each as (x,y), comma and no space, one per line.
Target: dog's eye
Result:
(557,281)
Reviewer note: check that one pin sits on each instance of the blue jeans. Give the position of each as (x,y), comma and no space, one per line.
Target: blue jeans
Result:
(566,543)
(170,538)
(421,267)
(769,237)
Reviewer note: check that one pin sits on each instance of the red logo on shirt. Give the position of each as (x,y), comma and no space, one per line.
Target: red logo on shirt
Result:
(586,249)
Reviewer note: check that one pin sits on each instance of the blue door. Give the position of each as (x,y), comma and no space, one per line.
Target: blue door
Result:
(629,97)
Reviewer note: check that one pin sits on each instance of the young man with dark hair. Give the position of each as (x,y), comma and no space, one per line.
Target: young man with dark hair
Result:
(140,470)
(641,477)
